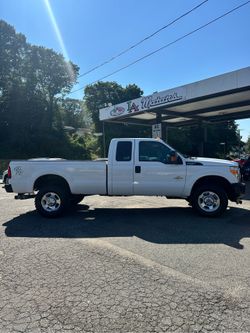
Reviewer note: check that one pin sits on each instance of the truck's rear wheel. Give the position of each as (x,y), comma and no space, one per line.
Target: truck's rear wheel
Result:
(52,201)
(209,200)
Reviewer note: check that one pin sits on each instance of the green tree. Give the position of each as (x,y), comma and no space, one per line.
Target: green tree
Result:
(12,50)
(74,113)
(53,75)
(33,80)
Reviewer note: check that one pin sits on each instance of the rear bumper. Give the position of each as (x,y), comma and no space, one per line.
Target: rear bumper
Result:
(8,188)
(238,191)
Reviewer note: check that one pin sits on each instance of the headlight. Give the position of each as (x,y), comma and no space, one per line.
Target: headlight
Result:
(235,171)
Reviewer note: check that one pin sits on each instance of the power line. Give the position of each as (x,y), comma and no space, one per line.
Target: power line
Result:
(143,40)
(165,46)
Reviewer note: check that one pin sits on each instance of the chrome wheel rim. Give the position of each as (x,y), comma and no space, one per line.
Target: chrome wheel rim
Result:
(209,201)
(51,202)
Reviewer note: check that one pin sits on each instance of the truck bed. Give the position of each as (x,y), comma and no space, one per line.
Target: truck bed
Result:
(83,177)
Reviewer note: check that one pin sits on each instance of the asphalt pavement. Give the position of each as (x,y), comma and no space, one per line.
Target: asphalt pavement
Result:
(136,264)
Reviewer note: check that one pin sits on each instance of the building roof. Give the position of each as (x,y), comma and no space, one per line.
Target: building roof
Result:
(220,98)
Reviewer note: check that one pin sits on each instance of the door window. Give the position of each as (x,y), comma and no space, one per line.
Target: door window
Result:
(124,151)
(150,151)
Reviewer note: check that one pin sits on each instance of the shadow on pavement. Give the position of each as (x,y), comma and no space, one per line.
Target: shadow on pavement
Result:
(172,225)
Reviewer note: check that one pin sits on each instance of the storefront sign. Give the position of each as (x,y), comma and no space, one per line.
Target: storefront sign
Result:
(144,103)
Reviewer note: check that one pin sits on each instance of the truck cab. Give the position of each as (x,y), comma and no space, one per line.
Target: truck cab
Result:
(145,167)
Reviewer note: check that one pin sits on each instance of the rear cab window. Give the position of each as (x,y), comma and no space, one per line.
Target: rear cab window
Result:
(124,151)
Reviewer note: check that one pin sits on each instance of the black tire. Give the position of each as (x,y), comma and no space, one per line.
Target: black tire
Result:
(76,199)
(59,197)
(5,179)
(210,200)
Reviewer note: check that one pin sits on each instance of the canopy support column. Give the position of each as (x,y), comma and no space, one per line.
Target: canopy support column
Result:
(203,135)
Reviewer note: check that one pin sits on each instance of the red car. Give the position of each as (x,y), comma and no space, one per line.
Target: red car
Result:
(240,161)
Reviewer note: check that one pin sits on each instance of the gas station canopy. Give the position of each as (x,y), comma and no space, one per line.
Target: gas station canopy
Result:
(220,98)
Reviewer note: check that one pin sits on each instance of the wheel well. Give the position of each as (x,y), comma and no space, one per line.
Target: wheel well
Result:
(50,180)
(213,180)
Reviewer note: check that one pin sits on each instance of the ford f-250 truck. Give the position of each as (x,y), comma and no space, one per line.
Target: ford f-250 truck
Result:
(134,167)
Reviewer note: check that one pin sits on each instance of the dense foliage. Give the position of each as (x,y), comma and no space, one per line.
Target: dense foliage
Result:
(31,80)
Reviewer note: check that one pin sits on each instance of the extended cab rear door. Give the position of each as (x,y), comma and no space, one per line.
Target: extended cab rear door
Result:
(154,173)
(121,168)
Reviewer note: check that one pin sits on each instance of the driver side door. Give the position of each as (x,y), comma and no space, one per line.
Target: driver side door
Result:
(154,173)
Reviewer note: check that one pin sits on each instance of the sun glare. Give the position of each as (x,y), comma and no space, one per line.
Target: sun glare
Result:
(58,36)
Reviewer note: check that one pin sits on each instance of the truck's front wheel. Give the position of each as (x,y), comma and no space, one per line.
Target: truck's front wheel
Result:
(52,201)
(209,200)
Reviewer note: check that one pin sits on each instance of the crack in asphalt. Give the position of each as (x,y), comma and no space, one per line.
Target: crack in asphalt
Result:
(92,287)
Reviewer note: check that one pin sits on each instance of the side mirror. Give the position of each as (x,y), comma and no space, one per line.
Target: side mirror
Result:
(173,156)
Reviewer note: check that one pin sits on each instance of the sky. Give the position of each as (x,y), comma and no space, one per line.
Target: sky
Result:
(89,32)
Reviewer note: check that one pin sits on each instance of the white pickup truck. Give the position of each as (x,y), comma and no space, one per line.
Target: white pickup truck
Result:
(134,167)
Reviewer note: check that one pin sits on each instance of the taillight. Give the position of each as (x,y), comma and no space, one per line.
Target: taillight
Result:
(9,172)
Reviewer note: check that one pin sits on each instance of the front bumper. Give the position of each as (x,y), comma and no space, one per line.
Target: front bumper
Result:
(8,188)
(237,191)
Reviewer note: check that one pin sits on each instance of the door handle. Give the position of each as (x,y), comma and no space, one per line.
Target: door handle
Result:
(137,169)
(178,177)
